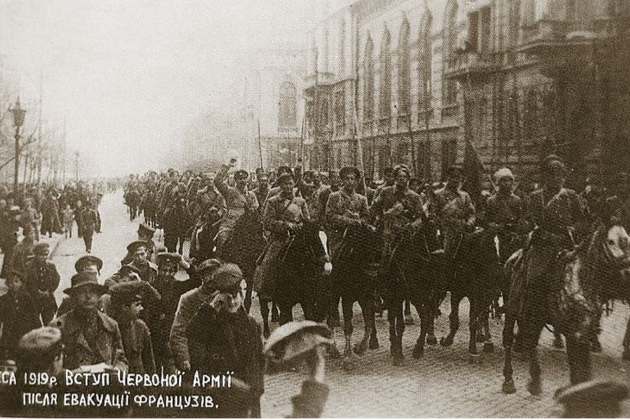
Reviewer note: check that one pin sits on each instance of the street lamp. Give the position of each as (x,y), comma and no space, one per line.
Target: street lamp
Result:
(18,120)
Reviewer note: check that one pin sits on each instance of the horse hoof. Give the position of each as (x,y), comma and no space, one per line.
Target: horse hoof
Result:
(446,341)
(558,343)
(333,352)
(508,387)
(596,347)
(418,352)
(348,364)
(474,359)
(431,340)
(360,348)
(275,317)
(408,320)
(374,343)
(266,333)
(488,348)
(534,388)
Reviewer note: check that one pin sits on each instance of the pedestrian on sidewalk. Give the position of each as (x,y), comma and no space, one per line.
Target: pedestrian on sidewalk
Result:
(30,217)
(42,279)
(68,220)
(89,220)
(9,226)
(23,251)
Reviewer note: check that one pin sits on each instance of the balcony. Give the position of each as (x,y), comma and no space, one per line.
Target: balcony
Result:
(551,37)
(471,66)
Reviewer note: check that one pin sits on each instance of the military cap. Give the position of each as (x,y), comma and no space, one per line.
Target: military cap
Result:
(133,247)
(241,173)
(503,173)
(145,230)
(41,248)
(294,339)
(88,260)
(226,278)
(209,266)
(349,170)
(15,209)
(168,258)
(285,178)
(283,170)
(40,342)
(593,399)
(125,293)
(84,280)
(401,168)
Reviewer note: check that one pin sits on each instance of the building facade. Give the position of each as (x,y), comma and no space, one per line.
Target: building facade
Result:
(414,82)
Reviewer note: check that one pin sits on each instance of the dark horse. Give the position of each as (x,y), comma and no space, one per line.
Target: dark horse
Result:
(300,266)
(411,273)
(572,302)
(244,248)
(475,273)
(353,278)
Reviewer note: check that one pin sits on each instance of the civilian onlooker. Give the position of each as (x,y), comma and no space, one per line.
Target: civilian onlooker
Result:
(23,251)
(30,217)
(42,279)
(68,220)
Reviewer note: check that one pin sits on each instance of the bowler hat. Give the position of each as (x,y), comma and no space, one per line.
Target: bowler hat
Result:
(133,247)
(85,280)
(41,248)
(227,278)
(125,293)
(88,260)
(294,339)
(168,258)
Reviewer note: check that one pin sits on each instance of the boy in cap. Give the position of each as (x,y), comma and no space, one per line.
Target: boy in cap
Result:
(18,315)
(89,336)
(125,307)
(189,304)
(222,337)
(42,279)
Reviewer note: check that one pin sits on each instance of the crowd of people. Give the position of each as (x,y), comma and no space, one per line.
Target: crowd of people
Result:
(143,319)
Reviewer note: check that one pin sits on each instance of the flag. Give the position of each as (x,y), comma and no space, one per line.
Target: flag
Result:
(473,172)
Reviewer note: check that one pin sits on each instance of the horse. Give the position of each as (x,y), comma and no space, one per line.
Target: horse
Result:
(474,272)
(570,301)
(411,272)
(354,279)
(302,261)
(244,248)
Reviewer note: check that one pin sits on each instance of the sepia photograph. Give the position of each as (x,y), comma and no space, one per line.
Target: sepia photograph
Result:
(315,208)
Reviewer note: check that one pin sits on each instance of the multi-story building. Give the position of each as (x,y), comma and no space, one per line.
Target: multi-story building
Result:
(516,79)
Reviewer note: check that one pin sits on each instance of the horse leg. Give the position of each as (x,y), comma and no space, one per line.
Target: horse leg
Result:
(475,314)
(399,328)
(368,325)
(530,343)
(348,329)
(424,314)
(488,345)
(557,340)
(275,313)
(286,312)
(408,317)
(431,340)
(453,320)
(579,356)
(264,312)
(508,340)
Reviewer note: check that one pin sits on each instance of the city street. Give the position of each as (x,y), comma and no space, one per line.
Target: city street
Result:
(442,384)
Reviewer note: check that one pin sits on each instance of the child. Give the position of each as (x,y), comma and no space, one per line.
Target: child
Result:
(125,307)
(68,219)
(18,315)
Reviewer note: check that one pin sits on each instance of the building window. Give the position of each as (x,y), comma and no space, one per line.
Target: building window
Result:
(368,102)
(425,61)
(287,112)
(342,48)
(404,71)
(515,21)
(386,77)
(485,16)
(340,111)
(449,155)
(450,54)
(323,115)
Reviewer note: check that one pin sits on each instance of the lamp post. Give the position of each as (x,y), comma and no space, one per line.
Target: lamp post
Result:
(18,120)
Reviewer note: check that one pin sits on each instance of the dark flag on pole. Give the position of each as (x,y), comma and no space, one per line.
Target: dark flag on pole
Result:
(473,172)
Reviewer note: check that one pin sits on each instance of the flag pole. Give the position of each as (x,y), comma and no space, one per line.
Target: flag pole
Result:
(260,147)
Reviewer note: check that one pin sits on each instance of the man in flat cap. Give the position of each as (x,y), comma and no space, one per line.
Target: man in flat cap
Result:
(146,269)
(238,201)
(90,337)
(145,233)
(42,279)
(222,337)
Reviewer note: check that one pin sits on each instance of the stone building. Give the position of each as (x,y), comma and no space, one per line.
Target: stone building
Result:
(516,79)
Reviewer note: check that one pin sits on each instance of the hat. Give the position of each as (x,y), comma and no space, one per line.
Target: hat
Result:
(40,342)
(241,173)
(41,248)
(503,173)
(133,247)
(350,170)
(553,164)
(209,266)
(400,168)
(145,230)
(285,178)
(295,339)
(83,280)
(88,260)
(128,268)
(284,170)
(593,399)
(168,258)
(125,293)
(226,278)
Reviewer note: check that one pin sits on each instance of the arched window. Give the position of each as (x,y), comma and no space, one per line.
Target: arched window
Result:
(450,55)
(368,100)
(404,71)
(425,60)
(287,112)
(386,77)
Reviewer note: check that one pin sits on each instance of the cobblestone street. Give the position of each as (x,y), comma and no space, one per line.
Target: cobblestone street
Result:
(441,384)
